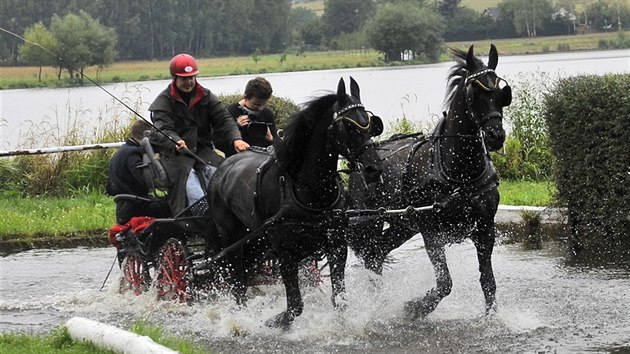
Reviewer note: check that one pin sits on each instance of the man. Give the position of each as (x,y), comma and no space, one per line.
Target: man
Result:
(125,177)
(256,122)
(192,116)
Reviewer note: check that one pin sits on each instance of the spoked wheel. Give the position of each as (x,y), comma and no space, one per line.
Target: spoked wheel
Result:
(135,274)
(173,280)
(310,274)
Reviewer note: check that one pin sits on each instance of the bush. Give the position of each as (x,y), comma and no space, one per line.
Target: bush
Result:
(527,151)
(563,47)
(589,130)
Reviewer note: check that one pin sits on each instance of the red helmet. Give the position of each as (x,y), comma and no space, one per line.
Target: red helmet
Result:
(183,65)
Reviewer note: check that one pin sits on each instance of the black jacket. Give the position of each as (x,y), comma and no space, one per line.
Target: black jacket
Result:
(198,124)
(125,177)
(255,137)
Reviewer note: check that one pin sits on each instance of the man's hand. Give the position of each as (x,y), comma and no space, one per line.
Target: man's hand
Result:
(240,145)
(243,120)
(181,146)
(269,136)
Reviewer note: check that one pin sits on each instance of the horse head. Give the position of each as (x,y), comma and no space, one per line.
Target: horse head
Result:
(485,94)
(353,128)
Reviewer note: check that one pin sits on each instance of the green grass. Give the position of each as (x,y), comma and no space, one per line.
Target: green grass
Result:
(539,45)
(33,218)
(157,334)
(477,5)
(527,193)
(20,77)
(59,341)
(29,218)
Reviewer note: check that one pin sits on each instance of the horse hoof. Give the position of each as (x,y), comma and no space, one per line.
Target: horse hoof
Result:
(415,310)
(492,309)
(340,302)
(282,321)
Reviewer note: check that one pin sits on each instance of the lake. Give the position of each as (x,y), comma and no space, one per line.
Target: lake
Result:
(415,92)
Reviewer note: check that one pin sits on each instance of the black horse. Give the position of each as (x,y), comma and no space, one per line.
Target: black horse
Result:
(292,197)
(449,173)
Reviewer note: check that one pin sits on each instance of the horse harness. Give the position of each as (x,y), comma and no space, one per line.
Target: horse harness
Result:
(444,187)
(291,209)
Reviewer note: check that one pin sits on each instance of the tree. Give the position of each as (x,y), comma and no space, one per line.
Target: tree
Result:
(256,56)
(313,32)
(528,16)
(32,54)
(467,24)
(83,41)
(398,27)
(347,16)
(448,8)
(300,16)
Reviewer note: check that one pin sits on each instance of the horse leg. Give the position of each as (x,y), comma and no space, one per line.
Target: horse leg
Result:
(289,272)
(388,240)
(484,243)
(337,254)
(238,277)
(423,306)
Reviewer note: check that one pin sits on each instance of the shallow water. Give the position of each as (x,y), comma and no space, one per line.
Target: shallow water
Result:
(544,305)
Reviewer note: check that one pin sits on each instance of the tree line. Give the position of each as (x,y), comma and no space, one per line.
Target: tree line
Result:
(97,32)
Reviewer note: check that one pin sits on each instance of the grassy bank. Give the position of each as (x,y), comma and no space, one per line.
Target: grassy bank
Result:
(55,221)
(318,6)
(22,77)
(59,341)
(540,45)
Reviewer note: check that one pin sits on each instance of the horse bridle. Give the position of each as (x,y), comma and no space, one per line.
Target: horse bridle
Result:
(474,78)
(339,116)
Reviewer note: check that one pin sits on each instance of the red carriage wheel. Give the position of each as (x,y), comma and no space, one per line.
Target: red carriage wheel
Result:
(135,274)
(172,279)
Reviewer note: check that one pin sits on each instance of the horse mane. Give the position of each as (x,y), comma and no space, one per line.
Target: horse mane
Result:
(291,150)
(458,74)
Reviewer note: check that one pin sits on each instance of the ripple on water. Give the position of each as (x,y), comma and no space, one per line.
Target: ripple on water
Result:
(544,305)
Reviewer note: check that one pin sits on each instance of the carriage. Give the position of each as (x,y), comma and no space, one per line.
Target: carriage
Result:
(271,209)
(291,204)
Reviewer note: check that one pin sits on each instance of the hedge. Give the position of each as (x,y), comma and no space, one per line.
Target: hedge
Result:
(588,118)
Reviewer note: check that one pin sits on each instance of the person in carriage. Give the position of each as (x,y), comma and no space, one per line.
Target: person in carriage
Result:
(195,119)
(125,177)
(255,120)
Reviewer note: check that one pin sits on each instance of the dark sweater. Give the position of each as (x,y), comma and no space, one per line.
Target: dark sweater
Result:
(255,137)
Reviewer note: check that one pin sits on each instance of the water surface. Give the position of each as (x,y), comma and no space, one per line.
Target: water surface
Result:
(545,306)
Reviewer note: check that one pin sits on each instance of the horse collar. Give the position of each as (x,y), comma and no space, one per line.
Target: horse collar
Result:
(289,198)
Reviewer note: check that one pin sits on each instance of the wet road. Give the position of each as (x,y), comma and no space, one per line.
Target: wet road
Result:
(545,305)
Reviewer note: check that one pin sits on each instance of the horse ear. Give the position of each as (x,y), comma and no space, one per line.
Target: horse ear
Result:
(354,89)
(493,57)
(470,57)
(341,90)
